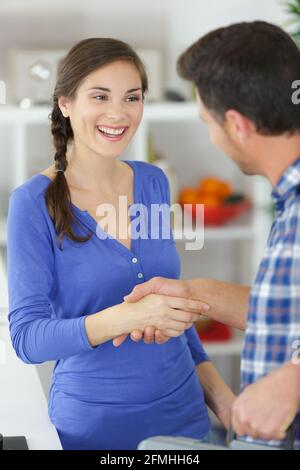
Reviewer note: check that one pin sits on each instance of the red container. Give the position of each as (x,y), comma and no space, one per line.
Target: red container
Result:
(216,332)
(219,215)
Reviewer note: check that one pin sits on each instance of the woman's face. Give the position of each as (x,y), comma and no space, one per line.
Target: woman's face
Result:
(107,109)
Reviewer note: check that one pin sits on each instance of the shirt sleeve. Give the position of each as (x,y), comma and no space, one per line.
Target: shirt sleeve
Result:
(274,306)
(195,345)
(36,335)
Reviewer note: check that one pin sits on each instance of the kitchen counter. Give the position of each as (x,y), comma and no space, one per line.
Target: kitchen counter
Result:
(23,405)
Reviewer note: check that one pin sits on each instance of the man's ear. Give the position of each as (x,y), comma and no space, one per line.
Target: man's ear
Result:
(63,104)
(239,126)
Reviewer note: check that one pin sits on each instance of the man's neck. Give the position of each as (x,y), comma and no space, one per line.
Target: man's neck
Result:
(278,153)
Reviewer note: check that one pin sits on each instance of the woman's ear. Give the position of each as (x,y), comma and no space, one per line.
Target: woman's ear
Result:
(63,106)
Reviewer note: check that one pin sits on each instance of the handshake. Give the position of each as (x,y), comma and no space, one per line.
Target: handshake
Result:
(176,298)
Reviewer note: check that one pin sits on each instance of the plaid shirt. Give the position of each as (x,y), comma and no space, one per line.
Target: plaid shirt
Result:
(274,306)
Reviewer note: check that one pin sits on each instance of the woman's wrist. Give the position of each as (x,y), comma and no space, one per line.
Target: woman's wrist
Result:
(107,324)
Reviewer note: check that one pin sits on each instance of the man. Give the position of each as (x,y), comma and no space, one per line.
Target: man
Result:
(244,75)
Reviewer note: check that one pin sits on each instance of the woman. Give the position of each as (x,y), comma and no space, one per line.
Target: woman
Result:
(68,275)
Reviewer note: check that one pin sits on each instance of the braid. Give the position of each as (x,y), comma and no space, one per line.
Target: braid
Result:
(61,132)
(58,197)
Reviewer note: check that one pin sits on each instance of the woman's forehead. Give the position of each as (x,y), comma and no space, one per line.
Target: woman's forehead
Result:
(118,73)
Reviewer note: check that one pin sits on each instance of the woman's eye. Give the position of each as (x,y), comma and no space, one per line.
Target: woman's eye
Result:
(133,98)
(100,97)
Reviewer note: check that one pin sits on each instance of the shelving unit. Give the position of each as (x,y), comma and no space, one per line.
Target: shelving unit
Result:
(252,227)
(232,347)
(20,119)
(242,228)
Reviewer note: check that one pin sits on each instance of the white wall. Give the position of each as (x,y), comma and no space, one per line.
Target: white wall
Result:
(190,19)
(170,25)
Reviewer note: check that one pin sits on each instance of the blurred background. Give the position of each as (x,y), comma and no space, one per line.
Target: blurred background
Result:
(238,212)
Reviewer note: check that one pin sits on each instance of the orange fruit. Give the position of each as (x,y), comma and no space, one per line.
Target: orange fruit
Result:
(225,190)
(188,195)
(209,185)
(210,201)
(215,187)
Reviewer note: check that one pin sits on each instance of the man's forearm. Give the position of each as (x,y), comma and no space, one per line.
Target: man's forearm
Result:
(228,302)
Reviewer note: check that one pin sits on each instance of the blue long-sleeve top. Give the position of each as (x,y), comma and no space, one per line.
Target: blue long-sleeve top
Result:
(51,291)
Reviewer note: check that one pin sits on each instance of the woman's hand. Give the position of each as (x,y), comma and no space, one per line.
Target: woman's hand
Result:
(157,285)
(171,315)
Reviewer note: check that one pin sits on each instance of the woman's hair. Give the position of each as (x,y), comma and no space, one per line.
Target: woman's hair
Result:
(84,58)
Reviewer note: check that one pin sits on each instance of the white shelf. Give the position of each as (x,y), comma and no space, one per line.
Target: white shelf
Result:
(171,112)
(158,112)
(233,347)
(224,348)
(250,227)
(242,228)
(16,115)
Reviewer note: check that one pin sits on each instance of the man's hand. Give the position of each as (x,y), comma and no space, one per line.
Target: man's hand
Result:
(156,285)
(265,409)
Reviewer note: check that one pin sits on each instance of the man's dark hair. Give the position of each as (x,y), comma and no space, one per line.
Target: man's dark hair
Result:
(249,67)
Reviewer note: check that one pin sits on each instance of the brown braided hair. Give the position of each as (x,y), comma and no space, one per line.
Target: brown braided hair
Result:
(84,58)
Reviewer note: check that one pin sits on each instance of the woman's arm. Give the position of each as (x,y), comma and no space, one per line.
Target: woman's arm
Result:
(36,334)
(218,395)
(171,315)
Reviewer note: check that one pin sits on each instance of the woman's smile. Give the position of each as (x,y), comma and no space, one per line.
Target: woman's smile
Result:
(112,134)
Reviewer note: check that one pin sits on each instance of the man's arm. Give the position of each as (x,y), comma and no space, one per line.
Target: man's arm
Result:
(265,409)
(221,301)
(228,302)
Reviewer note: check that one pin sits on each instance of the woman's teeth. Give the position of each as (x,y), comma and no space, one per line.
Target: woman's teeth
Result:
(111,132)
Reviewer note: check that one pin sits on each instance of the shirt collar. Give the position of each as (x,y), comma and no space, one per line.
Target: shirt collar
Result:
(289,181)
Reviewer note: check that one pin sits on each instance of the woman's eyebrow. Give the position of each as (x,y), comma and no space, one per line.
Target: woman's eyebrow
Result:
(132,90)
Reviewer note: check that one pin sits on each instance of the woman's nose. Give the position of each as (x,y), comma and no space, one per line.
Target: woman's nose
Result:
(115,111)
